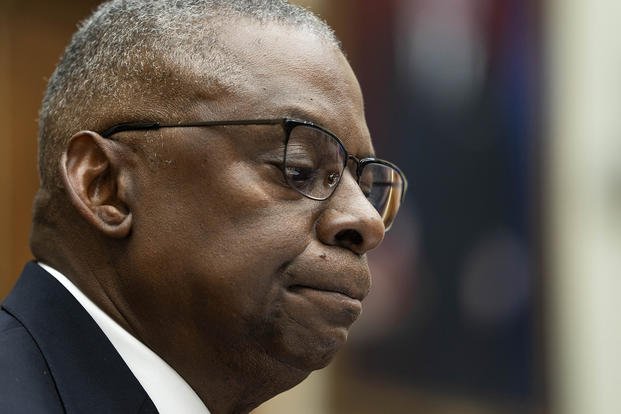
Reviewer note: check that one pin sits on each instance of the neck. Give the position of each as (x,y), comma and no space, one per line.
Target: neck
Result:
(77,255)
(238,387)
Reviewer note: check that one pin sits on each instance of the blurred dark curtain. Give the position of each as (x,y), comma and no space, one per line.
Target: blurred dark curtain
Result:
(454,100)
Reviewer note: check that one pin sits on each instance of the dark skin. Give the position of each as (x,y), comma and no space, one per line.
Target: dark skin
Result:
(202,252)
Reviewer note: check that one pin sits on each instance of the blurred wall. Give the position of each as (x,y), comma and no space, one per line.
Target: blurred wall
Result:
(584,206)
(5,158)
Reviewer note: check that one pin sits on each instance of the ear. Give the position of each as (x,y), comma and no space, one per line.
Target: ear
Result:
(92,171)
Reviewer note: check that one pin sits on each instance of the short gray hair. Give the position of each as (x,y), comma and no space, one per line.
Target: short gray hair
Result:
(133,47)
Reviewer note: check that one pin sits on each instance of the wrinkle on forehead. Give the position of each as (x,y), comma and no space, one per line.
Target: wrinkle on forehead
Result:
(274,71)
(285,71)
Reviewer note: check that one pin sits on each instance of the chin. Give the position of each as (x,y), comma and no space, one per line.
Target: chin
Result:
(313,354)
(307,346)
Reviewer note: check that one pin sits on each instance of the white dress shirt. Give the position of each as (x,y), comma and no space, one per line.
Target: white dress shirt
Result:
(168,391)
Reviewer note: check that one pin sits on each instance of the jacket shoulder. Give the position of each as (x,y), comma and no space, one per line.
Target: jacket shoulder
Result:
(26,385)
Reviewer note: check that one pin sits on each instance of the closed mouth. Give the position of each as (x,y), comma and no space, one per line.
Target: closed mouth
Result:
(338,290)
(335,304)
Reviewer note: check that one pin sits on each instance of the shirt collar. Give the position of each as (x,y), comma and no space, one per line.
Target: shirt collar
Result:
(168,391)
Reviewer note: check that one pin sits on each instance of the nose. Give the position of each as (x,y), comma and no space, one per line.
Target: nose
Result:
(349,220)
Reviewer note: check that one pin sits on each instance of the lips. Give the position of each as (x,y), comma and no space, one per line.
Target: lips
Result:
(340,290)
(349,279)
(335,307)
(351,283)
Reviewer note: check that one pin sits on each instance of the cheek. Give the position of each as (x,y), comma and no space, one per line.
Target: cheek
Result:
(245,214)
(235,261)
(229,237)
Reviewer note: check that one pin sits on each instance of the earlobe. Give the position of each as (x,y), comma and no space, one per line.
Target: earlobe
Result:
(93,178)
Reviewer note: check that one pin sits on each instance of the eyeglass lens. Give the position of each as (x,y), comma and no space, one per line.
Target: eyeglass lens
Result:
(315,161)
(383,187)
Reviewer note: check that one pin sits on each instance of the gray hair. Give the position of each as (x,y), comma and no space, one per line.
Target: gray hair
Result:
(130,50)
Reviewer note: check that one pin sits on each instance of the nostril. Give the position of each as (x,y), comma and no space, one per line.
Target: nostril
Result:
(349,237)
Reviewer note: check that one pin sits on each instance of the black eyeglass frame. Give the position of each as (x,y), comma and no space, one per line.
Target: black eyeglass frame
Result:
(288,124)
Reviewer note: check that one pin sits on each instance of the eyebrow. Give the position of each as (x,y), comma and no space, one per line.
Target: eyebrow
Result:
(297,112)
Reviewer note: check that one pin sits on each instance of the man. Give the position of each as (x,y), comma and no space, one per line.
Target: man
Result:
(200,231)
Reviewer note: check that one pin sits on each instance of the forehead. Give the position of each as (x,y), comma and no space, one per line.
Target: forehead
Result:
(291,72)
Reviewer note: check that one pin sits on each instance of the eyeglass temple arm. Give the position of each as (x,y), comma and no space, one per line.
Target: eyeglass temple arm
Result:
(145,126)
(130,126)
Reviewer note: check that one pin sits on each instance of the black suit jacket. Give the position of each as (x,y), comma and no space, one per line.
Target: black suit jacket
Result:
(55,359)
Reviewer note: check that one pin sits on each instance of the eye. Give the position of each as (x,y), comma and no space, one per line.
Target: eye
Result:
(333,179)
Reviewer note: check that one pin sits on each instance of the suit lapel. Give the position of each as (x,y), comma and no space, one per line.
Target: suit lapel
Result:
(90,375)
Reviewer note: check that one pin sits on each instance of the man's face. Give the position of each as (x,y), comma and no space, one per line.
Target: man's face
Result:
(226,258)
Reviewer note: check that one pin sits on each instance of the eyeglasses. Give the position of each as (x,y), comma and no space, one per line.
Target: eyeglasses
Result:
(314,162)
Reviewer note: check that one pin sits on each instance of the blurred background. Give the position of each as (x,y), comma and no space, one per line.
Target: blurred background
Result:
(495,291)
